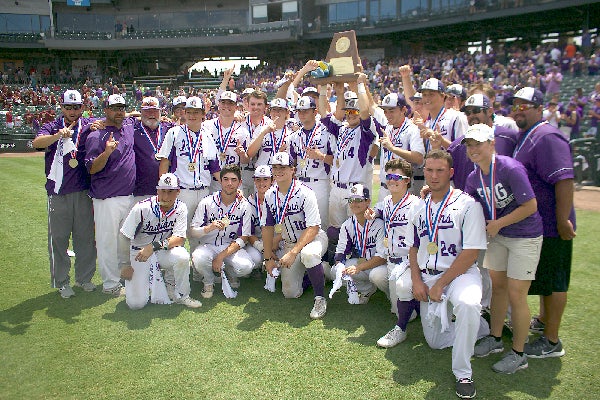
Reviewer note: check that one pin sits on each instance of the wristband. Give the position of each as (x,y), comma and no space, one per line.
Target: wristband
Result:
(240,242)
(361,88)
(156,246)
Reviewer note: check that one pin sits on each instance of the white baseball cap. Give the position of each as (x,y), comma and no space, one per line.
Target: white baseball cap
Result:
(350,95)
(393,100)
(179,100)
(310,89)
(529,94)
(115,99)
(477,100)
(168,181)
(358,191)
(227,95)
(262,171)
(247,91)
(150,103)
(480,132)
(351,104)
(305,103)
(72,97)
(282,158)
(279,103)
(194,102)
(433,84)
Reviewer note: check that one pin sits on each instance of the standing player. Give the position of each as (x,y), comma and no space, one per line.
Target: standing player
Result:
(254,123)
(449,232)
(223,223)
(156,227)
(360,251)
(546,155)
(514,229)
(292,211)
(178,110)
(110,160)
(273,136)
(69,206)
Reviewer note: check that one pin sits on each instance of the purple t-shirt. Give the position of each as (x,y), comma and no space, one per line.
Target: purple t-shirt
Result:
(505,140)
(546,155)
(117,178)
(146,143)
(511,189)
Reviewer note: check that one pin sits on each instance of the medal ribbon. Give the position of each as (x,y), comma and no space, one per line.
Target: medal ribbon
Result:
(392,213)
(309,138)
(432,226)
(159,137)
(343,143)
(434,124)
(360,238)
(159,212)
(224,140)
(527,134)
(488,197)
(274,145)
(280,211)
(251,127)
(232,207)
(256,199)
(75,133)
(394,137)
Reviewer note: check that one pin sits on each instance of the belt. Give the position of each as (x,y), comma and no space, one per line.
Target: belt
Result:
(249,169)
(419,178)
(430,271)
(195,188)
(396,260)
(344,185)
(306,179)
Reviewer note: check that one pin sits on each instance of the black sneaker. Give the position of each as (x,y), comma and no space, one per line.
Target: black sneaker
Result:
(536,326)
(465,388)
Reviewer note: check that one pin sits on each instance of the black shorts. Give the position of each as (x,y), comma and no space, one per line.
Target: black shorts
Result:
(554,268)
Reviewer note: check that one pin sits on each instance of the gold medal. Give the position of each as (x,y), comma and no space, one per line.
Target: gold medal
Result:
(432,248)
(73,163)
(225,221)
(337,163)
(191,167)
(222,156)
(278,228)
(385,242)
(302,164)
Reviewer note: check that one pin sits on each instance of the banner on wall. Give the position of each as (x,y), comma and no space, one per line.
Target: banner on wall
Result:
(79,3)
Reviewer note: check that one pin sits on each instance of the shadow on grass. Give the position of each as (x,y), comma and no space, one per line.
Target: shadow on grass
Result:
(17,319)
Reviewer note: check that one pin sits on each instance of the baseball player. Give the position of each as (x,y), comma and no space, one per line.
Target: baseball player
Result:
(400,137)
(191,156)
(254,122)
(360,250)
(223,223)
(178,110)
(156,228)
(395,211)
(70,213)
(110,161)
(449,232)
(263,179)
(292,211)
(514,229)
(273,136)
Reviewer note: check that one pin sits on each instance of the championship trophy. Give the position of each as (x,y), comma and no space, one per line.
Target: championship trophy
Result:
(342,61)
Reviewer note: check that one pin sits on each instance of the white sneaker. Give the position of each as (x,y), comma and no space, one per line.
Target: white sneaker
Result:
(189,302)
(208,291)
(66,291)
(320,308)
(392,338)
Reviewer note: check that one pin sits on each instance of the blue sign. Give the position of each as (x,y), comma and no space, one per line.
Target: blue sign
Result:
(80,3)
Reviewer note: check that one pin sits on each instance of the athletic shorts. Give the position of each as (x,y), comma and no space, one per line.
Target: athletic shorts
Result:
(554,269)
(519,257)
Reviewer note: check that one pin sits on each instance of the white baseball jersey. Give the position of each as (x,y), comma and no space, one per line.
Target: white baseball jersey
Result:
(147,223)
(360,241)
(451,123)
(212,208)
(397,226)
(319,137)
(406,137)
(226,139)
(253,130)
(257,214)
(184,147)
(460,225)
(272,143)
(301,210)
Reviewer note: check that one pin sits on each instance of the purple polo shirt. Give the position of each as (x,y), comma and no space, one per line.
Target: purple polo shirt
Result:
(546,155)
(511,189)
(505,140)
(117,178)
(74,179)
(146,143)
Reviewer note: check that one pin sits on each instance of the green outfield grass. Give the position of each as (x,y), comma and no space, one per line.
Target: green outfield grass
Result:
(258,345)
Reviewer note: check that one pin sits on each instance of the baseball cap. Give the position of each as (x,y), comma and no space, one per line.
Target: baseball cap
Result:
(168,181)
(416,96)
(529,94)
(179,100)
(247,91)
(115,99)
(305,103)
(194,102)
(71,97)
(480,132)
(282,158)
(279,103)
(433,84)
(262,171)
(227,95)
(457,90)
(393,100)
(350,95)
(310,89)
(359,191)
(150,103)
(477,100)
(351,104)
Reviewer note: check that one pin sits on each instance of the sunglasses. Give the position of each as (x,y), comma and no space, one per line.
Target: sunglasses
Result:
(355,200)
(522,107)
(116,108)
(70,107)
(395,177)
(474,110)
(352,112)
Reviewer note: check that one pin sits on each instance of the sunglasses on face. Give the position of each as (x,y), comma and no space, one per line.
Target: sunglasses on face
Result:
(116,108)
(474,110)
(521,107)
(352,112)
(395,177)
(355,200)
(70,107)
